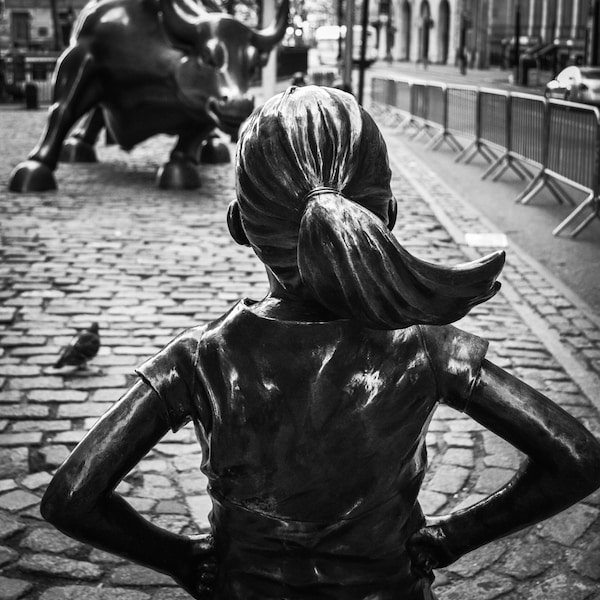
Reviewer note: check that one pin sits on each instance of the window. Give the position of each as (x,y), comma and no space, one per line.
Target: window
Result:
(20,28)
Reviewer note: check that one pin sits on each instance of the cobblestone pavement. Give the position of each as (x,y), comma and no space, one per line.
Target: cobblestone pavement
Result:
(146,263)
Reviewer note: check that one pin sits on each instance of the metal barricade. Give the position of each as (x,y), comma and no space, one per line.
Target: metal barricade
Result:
(462,111)
(379,88)
(574,155)
(524,136)
(419,108)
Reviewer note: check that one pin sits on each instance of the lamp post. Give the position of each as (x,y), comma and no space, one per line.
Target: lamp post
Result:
(340,16)
(462,41)
(594,55)
(517,39)
(363,50)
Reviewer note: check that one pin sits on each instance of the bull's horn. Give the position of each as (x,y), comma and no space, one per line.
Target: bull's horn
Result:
(265,39)
(182,17)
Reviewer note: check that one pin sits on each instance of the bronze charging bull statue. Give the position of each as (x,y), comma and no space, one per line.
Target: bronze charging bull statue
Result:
(144,67)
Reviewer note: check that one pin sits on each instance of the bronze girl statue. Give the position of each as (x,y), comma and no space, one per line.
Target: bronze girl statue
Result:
(311,405)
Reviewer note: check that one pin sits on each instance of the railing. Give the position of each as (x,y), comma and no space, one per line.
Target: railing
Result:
(510,131)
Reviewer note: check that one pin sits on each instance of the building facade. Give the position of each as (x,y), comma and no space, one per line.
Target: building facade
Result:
(438,30)
(36,25)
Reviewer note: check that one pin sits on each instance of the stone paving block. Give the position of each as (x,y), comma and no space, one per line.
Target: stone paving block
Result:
(11,396)
(483,558)
(87,409)
(12,588)
(58,566)
(470,500)
(17,500)
(562,587)
(7,484)
(492,479)
(7,555)
(86,592)
(174,523)
(18,371)
(569,525)
(137,575)
(141,504)
(20,439)
(448,479)
(99,556)
(157,493)
(460,457)
(527,558)
(171,507)
(69,437)
(50,540)
(486,587)
(57,396)
(36,480)
(431,502)
(9,525)
(17,340)
(199,507)
(154,465)
(54,455)
(90,383)
(459,440)
(586,563)
(36,383)
(51,425)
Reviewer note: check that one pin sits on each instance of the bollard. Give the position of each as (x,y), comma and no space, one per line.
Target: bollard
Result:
(31,96)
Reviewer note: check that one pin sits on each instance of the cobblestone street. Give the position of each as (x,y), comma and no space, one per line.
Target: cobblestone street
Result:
(145,263)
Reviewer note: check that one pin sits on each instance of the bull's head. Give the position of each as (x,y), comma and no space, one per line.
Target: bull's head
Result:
(220,57)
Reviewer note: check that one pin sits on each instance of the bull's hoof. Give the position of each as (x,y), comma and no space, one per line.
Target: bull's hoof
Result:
(214,152)
(77,151)
(178,175)
(31,176)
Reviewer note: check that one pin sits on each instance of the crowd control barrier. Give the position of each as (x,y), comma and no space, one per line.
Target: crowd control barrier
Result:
(510,130)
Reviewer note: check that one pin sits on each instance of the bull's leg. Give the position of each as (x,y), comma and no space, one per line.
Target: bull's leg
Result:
(181,172)
(75,93)
(79,147)
(214,151)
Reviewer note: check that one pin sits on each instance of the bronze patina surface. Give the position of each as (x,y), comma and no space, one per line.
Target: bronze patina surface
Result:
(311,405)
(144,67)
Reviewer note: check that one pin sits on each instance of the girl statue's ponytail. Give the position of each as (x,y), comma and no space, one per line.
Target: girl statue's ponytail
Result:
(354,266)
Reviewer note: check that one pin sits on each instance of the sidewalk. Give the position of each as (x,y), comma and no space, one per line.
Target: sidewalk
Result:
(145,263)
(493,77)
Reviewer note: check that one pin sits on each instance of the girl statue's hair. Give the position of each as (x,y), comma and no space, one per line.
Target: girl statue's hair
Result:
(315,203)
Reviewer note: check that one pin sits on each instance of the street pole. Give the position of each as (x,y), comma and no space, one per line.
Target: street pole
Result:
(595,37)
(56,37)
(347,77)
(462,59)
(269,71)
(363,51)
(517,39)
(340,37)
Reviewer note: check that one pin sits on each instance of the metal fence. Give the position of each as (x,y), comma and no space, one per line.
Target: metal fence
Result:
(561,140)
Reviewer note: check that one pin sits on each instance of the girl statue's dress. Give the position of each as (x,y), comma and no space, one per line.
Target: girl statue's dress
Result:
(311,406)
(320,450)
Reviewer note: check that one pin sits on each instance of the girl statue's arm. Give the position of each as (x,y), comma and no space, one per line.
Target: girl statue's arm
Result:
(81,501)
(561,468)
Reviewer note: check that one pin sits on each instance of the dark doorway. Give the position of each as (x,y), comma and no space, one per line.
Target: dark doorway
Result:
(443,31)
(406,20)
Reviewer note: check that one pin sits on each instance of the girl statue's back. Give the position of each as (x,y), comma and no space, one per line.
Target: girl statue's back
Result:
(312,404)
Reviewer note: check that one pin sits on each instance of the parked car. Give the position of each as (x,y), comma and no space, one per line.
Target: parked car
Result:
(576,84)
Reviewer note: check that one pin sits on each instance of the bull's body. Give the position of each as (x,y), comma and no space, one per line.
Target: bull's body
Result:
(143,67)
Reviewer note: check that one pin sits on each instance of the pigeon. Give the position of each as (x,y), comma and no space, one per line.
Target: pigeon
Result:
(83,347)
